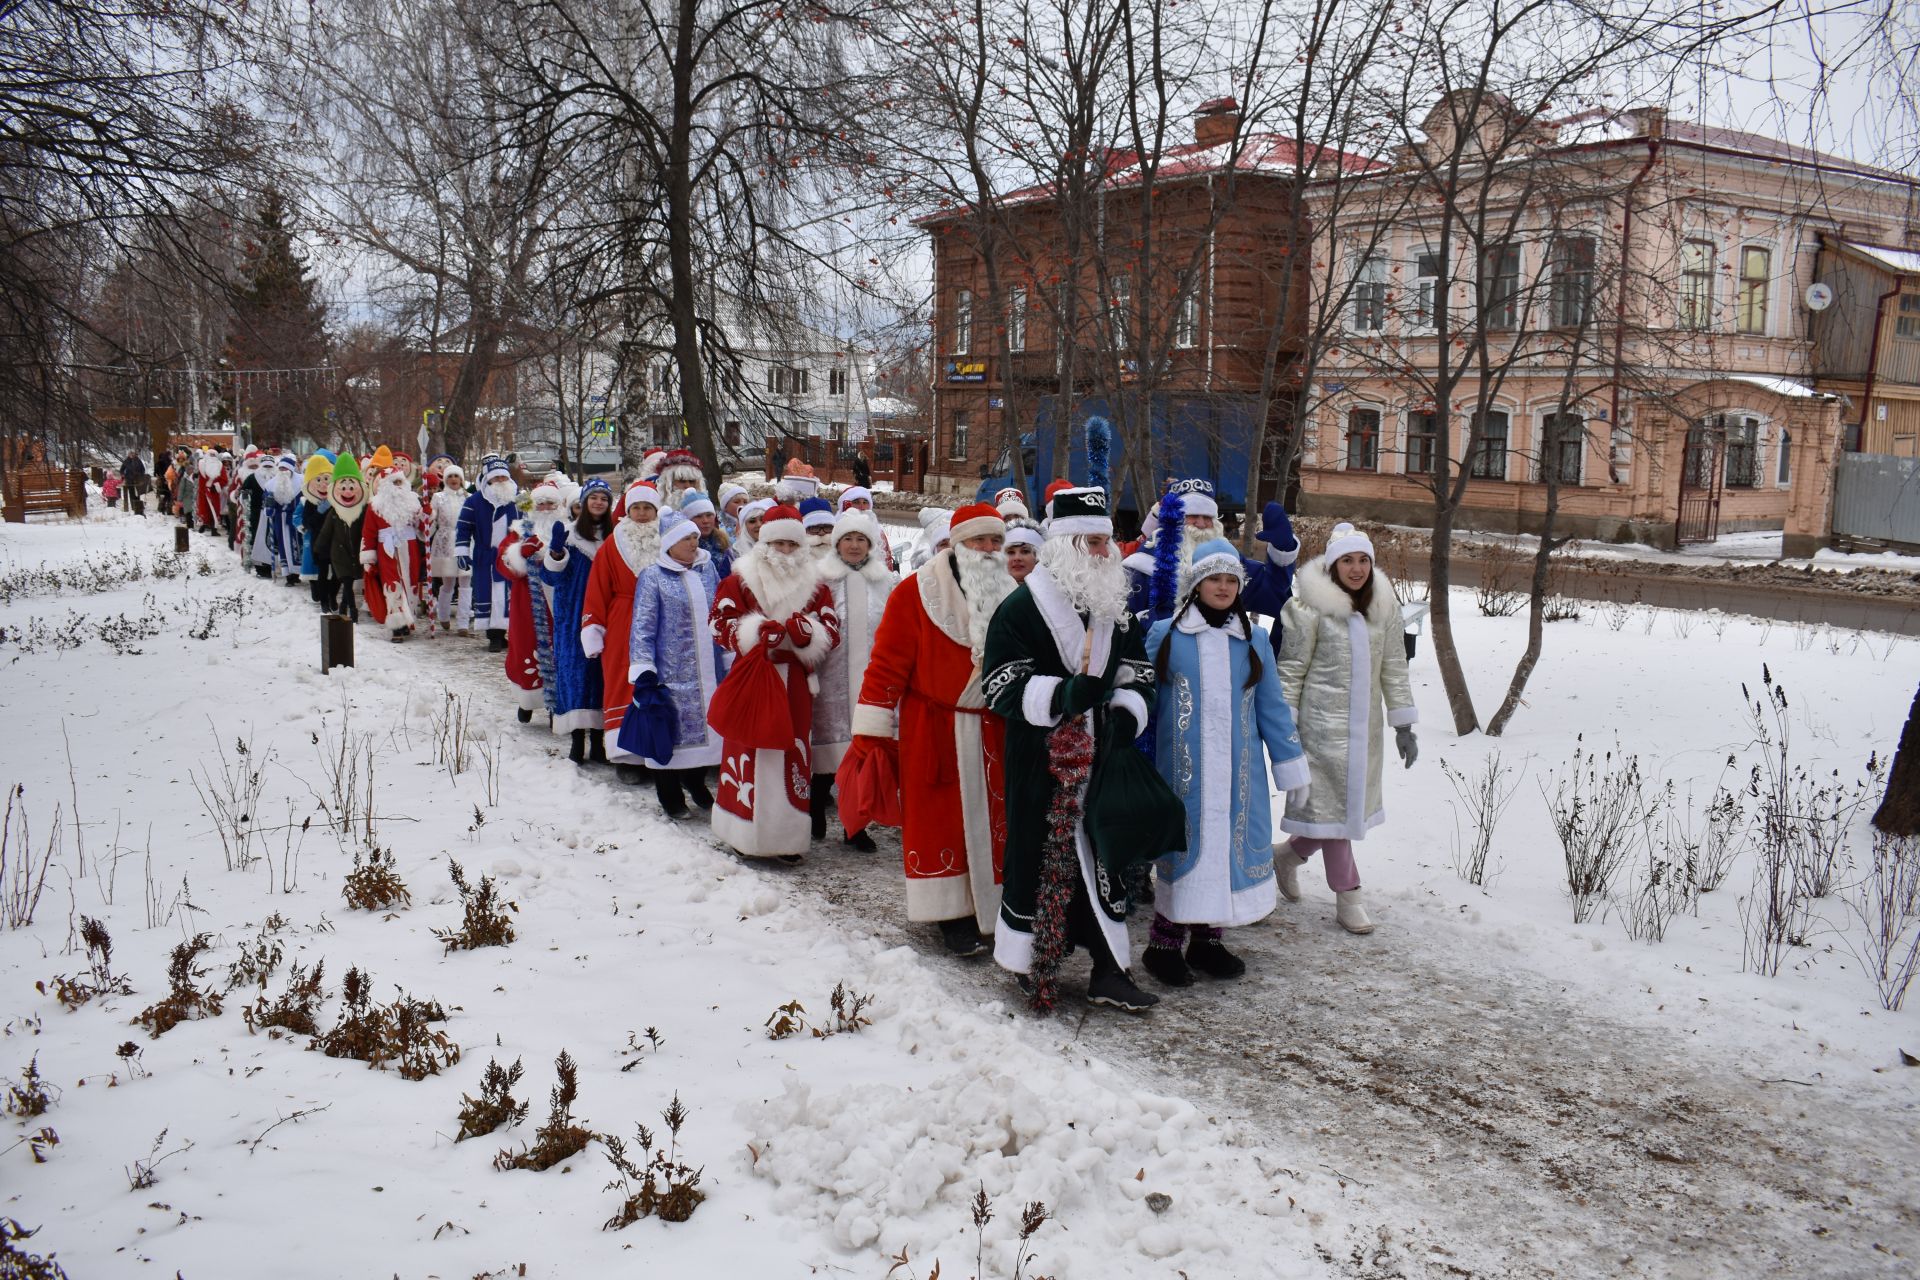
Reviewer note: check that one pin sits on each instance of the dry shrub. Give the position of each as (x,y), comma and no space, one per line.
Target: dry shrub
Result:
(559,1138)
(373,884)
(258,959)
(485,922)
(29,1098)
(99,980)
(849,1015)
(184,1001)
(1504,569)
(663,1186)
(400,1034)
(18,1264)
(495,1106)
(294,1011)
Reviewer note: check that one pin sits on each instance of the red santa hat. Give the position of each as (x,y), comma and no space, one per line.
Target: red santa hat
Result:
(638,491)
(781,523)
(979,519)
(1053,489)
(1011,502)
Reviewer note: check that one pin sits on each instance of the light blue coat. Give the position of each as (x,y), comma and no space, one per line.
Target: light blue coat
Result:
(1219,744)
(671,638)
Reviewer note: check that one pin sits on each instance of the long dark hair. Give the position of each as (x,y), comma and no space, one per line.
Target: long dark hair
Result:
(1255,667)
(591,527)
(1362,596)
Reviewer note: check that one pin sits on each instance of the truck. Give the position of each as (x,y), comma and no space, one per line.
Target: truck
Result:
(1198,437)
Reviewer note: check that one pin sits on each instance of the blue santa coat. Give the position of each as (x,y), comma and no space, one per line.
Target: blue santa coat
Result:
(1219,744)
(478,533)
(671,637)
(575,692)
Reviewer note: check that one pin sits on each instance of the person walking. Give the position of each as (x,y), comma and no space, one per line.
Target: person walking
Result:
(1343,670)
(133,483)
(670,647)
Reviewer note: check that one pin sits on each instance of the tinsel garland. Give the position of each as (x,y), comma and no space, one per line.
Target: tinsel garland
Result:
(1168,538)
(1099,448)
(1070,748)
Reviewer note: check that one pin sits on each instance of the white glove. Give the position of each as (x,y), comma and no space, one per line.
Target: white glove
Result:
(368,559)
(593,639)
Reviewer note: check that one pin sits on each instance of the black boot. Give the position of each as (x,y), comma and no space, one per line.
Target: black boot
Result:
(666,785)
(962,937)
(578,754)
(819,802)
(696,783)
(399,634)
(862,841)
(525,714)
(1111,986)
(263,571)
(496,640)
(1211,957)
(631,774)
(597,746)
(1166,964)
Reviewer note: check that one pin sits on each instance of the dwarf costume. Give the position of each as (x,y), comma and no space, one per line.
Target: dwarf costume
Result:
(338,548)
(761,617)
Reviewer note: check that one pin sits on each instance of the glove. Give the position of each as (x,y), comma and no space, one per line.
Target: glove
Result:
(592,640)
(1079,694)
(646,680)
(463,563)
(1406,745)
(530,546)
(771,634)
(800,629)
(1276,530)
(369,558)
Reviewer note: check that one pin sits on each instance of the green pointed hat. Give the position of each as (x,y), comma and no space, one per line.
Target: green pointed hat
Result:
(347,467)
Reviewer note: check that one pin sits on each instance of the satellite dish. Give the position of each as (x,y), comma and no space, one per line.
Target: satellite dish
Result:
(1819,296)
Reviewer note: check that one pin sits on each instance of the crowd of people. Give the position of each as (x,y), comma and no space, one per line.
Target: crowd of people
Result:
(1067,730)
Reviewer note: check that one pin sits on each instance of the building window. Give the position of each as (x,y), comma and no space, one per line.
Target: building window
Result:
(1428,294)
(1120,313)
(663,376)
(957,448)
(1756,275)
(776,380)
(1696,284)
(1370,294)
(1500,287)
(1186,320)
(836,382)
(1489,461)
(1363,439)
(733,431)
(963,323)
(1016,319)
(799,381)
(1907,323)
(1563,447)
(1572,301)
(1783,472)
(838,431)
(1743,453)
(1423,431)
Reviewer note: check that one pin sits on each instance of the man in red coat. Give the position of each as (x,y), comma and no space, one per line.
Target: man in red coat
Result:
(390,550)
(606,618)
(774,602)
(923,687)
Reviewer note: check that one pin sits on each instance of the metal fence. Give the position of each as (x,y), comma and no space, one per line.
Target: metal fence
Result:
(1876,495)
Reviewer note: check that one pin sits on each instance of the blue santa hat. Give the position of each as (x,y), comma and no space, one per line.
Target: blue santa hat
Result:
(596,485)
(816,513)
(675,526)
(494,468)
(1214,556)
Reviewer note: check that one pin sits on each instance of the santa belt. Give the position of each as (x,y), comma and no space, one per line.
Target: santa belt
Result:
(393,535)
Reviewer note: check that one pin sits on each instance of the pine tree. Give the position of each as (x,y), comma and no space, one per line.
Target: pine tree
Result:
(1899,813)
(278,325)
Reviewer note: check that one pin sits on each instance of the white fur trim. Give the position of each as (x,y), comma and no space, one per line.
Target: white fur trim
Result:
(1130,701)
(1071,526)
(1140,562)
(1292,775)
(593,639)
(1199,504)
(515,557)
(870,721)
(1403,717)
(747,633)
(818,645)
(369,558)
(638,669)
(1316,588)
(1281,559)
(781,531)
(1216,564)
(1036,701)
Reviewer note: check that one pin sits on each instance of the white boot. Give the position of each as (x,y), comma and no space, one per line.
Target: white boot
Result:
(1350,913)
(1286,870)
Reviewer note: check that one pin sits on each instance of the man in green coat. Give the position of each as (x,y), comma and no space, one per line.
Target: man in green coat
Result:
(1062,658)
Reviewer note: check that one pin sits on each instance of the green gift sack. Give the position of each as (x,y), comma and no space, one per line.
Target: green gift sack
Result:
(1132,816)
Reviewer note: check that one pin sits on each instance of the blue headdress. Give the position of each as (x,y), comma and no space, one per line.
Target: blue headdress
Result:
(1165,595)
(1099,447)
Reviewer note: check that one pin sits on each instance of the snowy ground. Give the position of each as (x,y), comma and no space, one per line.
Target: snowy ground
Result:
(1480,1088)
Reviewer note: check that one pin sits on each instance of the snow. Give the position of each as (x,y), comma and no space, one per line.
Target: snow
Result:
(1901,262)
(834,1155)
(1787,387)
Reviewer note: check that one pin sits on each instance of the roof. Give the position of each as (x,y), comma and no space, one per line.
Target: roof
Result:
(1609,124)
(1266,154)
(1779,386)
(1899,262)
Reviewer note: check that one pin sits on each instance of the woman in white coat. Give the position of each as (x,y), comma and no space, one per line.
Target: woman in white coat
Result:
(452,585)
(856,569)
(1343,671)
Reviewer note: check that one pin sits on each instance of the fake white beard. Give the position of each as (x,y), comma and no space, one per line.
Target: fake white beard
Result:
(1093,585)
(639,543)
(1191,538)
(395,503)
(821,543)
(282,487)
(781,583)
(985,582)
(501,492)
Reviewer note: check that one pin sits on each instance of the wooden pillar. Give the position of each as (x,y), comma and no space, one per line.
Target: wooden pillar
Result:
(336,641)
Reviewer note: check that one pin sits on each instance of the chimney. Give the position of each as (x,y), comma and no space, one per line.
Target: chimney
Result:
(1216,121)
(1653,121)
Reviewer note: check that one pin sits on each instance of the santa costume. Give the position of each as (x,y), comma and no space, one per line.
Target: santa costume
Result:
(776,609)
(564,567)
(606,617)
(209,492)
(529,635)
(860,590)
(671,648)
(390,551)
(280,483)
(478,535)
(679,472)
(923,689)
(453,586)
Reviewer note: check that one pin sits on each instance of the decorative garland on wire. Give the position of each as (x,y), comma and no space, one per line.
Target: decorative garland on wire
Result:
(1168,539)
(1070,752)
(1099,448)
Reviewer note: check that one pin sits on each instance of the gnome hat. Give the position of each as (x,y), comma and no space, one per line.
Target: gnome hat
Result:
(347,468)
(382,458)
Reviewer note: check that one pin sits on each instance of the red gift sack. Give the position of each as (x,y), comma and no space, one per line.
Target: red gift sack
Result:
(869,781)
(750,706)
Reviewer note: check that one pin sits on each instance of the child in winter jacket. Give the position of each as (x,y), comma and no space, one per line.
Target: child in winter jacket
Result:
(1343,668)
(1222,729)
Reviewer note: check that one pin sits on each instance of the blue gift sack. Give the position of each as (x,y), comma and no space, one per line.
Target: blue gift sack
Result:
(648,729)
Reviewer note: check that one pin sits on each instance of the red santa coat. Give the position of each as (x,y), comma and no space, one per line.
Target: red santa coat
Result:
(606,620)
(523,641)
(761,806)
(924,678)
(209,497)
(392,552)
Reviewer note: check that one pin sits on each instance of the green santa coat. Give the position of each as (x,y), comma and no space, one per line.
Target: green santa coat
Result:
(1036,641)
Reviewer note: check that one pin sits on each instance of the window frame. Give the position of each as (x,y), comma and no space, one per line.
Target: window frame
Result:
(1573,280)
(957,436)
(1742,450)
(1502,309)
(961,335)
(1478,466)
(836,382)
(1017,318)
(1429,289)
(1369,292)
(1421,462)
(1753,295)
(1368,439)
(1555,448)
(1695,304)
(1120,309)
(1186,318)
(1906,317)
(1783,460)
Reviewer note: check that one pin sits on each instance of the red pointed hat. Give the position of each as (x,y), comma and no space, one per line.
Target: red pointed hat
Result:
(1054,488)
(780,524)
(977,519)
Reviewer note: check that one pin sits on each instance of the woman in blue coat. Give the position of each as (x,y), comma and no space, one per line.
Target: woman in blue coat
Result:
(1222,733)
(575,694)
(672,646)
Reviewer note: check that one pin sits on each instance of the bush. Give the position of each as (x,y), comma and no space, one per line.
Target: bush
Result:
(559,1138)
(400,1033)
(184,1001)
(295,1010)
(485,922)
(663,1186)
(1599,808)
(373,884)
(18,1264)
(99,980)
(495,1106)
